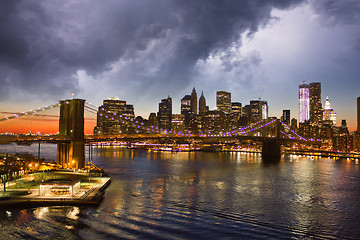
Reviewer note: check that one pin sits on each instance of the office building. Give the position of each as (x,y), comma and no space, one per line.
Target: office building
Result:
(214,122)
(223,102)
(178,123)
(316,110)
(235,114)
(286,117)
(245,115)
(258,110)
(186,110)
(294,124)
(196,123)
(202,104)
(358,115)
(165,114)
(329,115)
(114,117)
(193,101)
(185,105)
(304,102)
(153,121)
(236,109)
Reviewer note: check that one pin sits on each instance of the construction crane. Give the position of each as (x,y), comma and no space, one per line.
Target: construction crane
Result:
(262,90)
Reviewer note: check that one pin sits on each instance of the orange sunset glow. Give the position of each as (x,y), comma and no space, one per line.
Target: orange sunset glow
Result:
(44,125)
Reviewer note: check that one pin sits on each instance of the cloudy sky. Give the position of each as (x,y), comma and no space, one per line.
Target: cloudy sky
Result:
(142,51)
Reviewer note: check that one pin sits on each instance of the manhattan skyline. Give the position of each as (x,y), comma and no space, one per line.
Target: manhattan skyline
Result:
(144,51)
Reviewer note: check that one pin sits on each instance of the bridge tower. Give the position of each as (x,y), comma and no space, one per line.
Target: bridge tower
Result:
(71,153)
(271,147)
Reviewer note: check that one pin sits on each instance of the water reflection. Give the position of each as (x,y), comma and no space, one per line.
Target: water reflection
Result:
(207,195)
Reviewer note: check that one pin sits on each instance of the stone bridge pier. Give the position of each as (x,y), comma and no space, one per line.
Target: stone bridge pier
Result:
(271,147)
(71,153)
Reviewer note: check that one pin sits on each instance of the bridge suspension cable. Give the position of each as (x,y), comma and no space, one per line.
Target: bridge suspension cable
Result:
(292,131)
(29,113)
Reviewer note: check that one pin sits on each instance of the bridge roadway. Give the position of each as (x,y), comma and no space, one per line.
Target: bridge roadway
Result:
(155,137)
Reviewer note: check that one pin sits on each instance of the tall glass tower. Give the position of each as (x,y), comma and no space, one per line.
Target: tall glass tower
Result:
(304,102)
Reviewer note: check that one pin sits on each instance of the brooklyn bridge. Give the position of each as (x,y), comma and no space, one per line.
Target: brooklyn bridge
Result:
(271,135)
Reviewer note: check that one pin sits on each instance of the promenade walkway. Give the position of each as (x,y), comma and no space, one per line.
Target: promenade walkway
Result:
(86,196)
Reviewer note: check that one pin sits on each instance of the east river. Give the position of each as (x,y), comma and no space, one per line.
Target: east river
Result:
(202,195)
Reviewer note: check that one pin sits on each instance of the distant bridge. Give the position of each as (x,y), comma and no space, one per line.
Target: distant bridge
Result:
(272,133)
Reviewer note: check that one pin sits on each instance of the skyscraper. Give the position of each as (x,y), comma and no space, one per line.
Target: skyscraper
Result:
(193,102)
(286,116)
(186,105)
(186,110)
(223,102)
(329,114)
(165,113)
(110,117)
(358,115)
(259,110)
(316,111)
(304,102)
(235,114)
(202,104)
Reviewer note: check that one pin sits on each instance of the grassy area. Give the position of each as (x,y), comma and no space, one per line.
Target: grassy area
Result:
(32,181)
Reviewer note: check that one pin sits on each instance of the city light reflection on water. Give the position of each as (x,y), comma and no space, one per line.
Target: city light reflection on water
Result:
(205,195)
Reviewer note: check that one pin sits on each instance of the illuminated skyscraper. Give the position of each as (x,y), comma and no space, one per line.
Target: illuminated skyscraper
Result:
(329,114)
(165,114)
(111,116)
(186,110)
(202,104)
(186,105)
(316,111)
(236,110)
(358,115)
(235,114)
(223,102)
(259,110)
(193,102)
(304,102)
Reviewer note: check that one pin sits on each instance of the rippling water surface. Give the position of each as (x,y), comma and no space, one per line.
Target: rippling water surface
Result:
(200,195)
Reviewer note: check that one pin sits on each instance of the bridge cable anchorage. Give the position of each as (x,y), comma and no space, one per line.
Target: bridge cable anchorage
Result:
(32,112)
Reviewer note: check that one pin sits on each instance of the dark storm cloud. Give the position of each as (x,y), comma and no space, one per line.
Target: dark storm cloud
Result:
(43,44)
(338,11)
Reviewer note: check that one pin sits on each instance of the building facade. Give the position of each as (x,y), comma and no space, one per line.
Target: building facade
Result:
(286,117)
(165,114)
(259,110)
(202,104)
(316,110)
(304,102)
(193,102)
(223,102)
(329,114)
(114,117)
